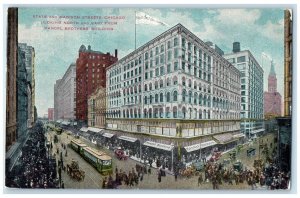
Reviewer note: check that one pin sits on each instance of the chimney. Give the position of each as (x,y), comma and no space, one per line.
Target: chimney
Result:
(236,47)
(116,53)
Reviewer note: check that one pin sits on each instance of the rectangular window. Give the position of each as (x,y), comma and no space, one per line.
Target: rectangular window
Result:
(231,60)
(151,63)
(175,66)
(176,53)
(162,70)
(151,74)
(162,59)
(146,65)
(157,72)
(241,59)
(169,55)
(146,75)
(156,61)
(168,68)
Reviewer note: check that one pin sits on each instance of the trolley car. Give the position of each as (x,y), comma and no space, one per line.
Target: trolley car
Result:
(100,160)
(78,146)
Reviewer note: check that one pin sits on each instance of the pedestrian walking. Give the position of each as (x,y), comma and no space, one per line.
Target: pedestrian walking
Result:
(159,176)
(200,179)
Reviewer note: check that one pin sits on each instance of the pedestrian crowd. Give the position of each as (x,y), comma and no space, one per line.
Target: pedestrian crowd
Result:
(36,169)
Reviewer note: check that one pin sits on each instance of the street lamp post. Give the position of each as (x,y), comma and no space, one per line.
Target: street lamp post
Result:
(172,157)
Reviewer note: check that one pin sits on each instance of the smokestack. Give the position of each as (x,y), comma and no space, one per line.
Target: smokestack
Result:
(236,47)
(116,53)
(89,48)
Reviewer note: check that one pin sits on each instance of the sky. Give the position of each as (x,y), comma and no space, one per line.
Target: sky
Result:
(259,30)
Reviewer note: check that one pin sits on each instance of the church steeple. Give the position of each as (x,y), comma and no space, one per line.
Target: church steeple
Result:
(272,80)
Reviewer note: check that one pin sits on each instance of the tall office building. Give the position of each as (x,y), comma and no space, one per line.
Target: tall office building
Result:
(65,95)
(252,104)
(30,67)
(90,74)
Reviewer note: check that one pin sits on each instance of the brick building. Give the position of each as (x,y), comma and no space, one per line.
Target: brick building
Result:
(272,97)
(90,74)
(50,114)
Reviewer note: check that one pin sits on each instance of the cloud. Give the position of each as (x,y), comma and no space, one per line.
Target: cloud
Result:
(237,16)
(273,31)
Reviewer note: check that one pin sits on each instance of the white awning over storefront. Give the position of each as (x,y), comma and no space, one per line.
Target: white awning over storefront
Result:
(129,139)
(202,145)
(65,123)
(257,131)
(165,147)
(93,129)
(239,135)
(108,135)
(84,129)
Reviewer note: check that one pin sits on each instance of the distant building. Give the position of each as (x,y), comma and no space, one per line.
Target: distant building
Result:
(64,95)
(30,67)
(90,74)
(272,98)
(97,108)
(251,89)
(50,114)
(56,99)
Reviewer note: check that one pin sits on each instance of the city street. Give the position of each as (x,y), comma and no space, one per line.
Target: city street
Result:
(93,179)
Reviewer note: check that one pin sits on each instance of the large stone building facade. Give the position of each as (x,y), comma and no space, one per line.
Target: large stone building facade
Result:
(30,68)
(90,74)
(272,98)
(174,87)
(252,104)
(97,108)
(65,95)
(22,97)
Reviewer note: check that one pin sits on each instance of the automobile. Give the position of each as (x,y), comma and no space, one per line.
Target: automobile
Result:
(250,152)
(120,154)
(238,166)
(198,165)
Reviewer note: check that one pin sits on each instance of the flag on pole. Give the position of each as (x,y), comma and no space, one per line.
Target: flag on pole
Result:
(143,18)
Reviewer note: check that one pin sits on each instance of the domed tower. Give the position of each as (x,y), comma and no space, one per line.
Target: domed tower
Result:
(81,49)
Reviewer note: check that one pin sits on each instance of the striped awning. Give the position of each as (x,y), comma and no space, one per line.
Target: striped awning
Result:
(257,131)
(165,147)
(239,135)
(202,145)
(93,129)
(108,135)
(129,139)
(84,129)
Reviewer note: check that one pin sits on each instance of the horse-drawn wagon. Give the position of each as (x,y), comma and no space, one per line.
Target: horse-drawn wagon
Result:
(74,171)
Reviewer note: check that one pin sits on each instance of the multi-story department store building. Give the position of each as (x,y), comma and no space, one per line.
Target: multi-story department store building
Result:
(174,91)
(252,90)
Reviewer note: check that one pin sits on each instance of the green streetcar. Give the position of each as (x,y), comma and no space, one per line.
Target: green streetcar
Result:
(100,160)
